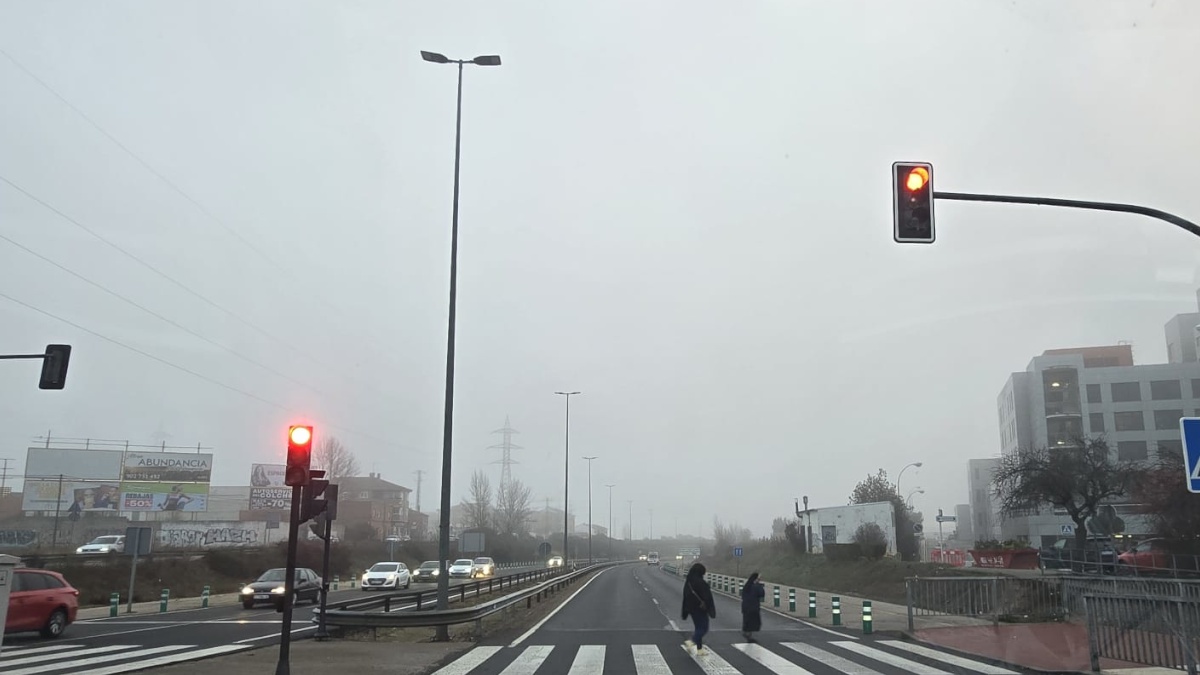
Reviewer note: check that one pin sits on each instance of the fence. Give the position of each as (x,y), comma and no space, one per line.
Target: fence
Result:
(1074,589)
(1153,631)
(998,598)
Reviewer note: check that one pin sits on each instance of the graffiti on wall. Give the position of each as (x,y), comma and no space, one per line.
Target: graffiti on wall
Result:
(16,538)
(210,535)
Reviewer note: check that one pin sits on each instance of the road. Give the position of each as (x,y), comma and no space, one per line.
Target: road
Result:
(135,642)
(626,620)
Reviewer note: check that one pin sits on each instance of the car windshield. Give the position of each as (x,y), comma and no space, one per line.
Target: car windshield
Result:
(429,564)
(463,561)
(105,540)
(279,574)
(384,567)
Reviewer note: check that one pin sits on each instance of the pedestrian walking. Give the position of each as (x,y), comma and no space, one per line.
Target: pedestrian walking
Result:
(697,604)
(753,593)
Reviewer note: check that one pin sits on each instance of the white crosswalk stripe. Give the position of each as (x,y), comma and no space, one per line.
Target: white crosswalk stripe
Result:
(650,659)
(106,660)
(24,651)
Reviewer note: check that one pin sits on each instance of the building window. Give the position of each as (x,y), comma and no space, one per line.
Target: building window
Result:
(1196,388)
(1133,420)
(1131,451)
(1093,394)
(1096,422)
(1166,390)
(1124,392)
(1170,446)
(1167,419)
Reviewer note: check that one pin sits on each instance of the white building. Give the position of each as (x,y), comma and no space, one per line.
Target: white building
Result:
(837,524)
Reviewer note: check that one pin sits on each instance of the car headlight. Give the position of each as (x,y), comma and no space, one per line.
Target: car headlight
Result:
(278,590)
(247,591)
(436,572)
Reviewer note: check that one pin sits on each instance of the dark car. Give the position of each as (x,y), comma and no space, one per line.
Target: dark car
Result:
(40,600)
(427,572)
(269,588)
(1098,555)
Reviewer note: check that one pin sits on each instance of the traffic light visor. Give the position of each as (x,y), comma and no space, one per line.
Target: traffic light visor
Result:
(300,435)
(918,177)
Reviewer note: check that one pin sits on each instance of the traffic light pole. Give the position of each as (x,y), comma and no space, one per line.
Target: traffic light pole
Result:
(322,633)
(1074,204)
(289,586)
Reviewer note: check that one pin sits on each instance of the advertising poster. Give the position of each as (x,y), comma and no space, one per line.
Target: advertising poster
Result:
(76,496)
(267,476)
(167,467)
(164,497)
(270,499)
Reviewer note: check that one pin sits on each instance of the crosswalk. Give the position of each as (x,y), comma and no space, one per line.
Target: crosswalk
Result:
(77,659)
(846,657)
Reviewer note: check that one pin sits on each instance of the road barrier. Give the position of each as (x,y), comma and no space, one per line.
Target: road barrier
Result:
(837,611)
(791,599)
(419,599)
(866,618)
(812,604)
(555,580)
(1152,631)
(163,598)
(204,598)
(776,596)
(114,604)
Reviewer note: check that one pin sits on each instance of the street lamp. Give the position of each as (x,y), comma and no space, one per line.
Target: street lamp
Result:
(566,468)
(589,461)
(908,501)
(916,464)
(630,519)
(610,486)
(443,592)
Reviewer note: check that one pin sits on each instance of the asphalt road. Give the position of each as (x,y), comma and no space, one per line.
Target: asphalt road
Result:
(626,620)
(127,643)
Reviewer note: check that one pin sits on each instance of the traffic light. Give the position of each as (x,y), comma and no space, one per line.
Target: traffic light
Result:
(299,456)
(316,497)
(54,367)
(326,509)
(912,209)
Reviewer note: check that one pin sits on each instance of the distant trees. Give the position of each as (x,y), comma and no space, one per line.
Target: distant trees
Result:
(513,508)
(729,535)
(877,488)
(1078,478)
(478,505)
(335,459)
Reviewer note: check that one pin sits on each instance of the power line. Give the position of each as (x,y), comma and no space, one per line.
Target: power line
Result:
(191,372)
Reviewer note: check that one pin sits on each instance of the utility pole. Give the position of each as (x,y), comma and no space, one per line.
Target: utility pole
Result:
(630,519)
(610,530)
(506,447)
(419,473)
(589,461)
(651,537)
(4,476)
(566,470)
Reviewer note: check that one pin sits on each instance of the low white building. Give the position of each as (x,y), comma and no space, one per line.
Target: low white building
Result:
(837,524)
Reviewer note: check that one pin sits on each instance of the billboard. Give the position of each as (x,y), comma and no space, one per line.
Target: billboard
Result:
(72,497)
(167,467)
(270,499)
(76,464)
(164,497)
(267,475)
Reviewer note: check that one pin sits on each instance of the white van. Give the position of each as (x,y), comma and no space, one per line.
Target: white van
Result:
(652,559)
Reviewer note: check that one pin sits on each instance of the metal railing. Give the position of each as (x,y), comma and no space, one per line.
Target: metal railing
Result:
(346,617)
(1074,589)
(1152,631)
(999,598)
(420,599)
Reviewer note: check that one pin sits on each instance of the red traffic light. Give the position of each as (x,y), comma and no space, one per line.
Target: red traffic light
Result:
(299,456)
(918,177)
(298,436)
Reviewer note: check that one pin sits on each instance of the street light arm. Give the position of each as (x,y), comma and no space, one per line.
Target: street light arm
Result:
(1073,204)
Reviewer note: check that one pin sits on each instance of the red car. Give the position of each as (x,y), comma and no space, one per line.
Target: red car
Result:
(40,600)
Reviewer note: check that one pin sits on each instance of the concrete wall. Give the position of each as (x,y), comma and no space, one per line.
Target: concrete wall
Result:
(845,520)
(197,535)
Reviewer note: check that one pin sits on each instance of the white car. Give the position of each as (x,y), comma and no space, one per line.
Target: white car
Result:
(463,567)
(484,567)
(556,561)
(113,543)
(386,575)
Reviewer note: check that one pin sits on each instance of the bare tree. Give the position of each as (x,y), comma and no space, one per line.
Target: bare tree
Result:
(335,459)
(513,507)
(728,535)
(1078,478)
(478,506)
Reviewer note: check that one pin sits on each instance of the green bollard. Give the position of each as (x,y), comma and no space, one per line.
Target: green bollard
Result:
(837,611)
(775,593)
(336,580)
(812,604)
(114,602)
(162,600)
(791,600)
(866,617)
(204,598)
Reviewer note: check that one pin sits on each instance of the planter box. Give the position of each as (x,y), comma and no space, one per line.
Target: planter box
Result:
(1006,558)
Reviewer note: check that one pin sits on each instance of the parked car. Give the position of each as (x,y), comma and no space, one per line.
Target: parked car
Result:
(269,587)
(484,567)
(383,575)
(1160,556)
(427,572)
(112,543)
(463,567)
(40,600)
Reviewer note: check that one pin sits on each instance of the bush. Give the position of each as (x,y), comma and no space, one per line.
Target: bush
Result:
(842,552)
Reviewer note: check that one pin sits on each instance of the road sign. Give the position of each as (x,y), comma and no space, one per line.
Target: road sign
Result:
(1067,530)
(947,519)
(737,552)
(1189,428)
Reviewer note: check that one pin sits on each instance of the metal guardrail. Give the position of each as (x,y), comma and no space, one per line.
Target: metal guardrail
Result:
(997,597)
(1153,631)
(1074,589)
(390,601)
(359,618)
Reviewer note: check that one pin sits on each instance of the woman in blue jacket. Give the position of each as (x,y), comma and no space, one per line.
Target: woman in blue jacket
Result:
(753,594)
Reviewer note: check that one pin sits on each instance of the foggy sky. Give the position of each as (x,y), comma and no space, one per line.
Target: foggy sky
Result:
(680,209)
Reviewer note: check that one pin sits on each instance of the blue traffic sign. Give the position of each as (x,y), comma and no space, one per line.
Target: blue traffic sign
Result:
(1189,428)
(737,551)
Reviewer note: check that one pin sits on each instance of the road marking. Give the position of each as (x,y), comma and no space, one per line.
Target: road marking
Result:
(549,616)
(160,661)
(891,659)
(775,663)
(529,661)
(647,660)
(23,660)
(951,659)
(469,661)
(9,651)
(654,600)
(711,663)
(77,664)
(272,635)
(847,666)
(589,660)
(674,626)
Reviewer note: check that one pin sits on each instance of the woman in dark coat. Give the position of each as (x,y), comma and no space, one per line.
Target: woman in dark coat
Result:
(697,604)
(753,594)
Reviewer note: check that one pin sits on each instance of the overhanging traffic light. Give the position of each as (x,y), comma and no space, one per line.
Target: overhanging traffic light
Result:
(54,367)
(314,498)
(299,456)
(912,202)
(326,509)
